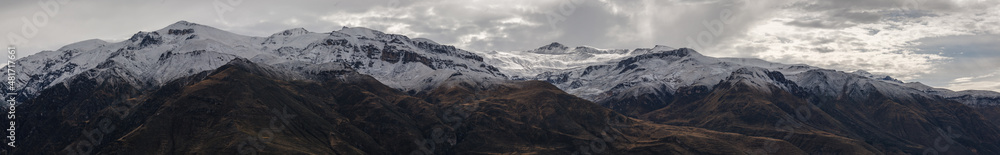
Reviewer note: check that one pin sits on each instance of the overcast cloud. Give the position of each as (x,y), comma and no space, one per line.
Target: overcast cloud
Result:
(942,43)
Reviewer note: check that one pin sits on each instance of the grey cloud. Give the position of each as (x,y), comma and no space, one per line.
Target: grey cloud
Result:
(592,23)
(815,23)
(972,55)
(857,17)
(692,24)
(493,25)
(595,23)
(823,49)
(847,13)
(872,31)
(784,40)
(116,20)
(822,41)
(977,46)
(834,19)
(824,5)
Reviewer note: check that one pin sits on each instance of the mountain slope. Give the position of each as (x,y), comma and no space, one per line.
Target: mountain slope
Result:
(556,56)
(194,89)
(642,82)
(150,59)
(877,121)
(682,87)
(243,107)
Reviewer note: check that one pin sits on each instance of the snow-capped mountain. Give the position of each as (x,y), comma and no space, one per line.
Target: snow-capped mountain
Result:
(556,56)
(182,49)
(599,75)
(974,98)
(876,76)
(664,70)
(188,70)
(760,98)
(150,59)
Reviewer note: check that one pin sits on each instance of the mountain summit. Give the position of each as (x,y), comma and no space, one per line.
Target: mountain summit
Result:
(150,59)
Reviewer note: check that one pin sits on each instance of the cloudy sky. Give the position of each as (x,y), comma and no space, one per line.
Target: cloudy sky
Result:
(953,44)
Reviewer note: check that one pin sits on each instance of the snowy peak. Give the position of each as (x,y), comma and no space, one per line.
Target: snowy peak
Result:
(85,45)
(182,27)
(749,73)
(761,79)
(683,52)
(553,48)
(556,48)
(862,72)
(144,39)
(181,24)
(556,57)
(291,32)
(360,32)
(877,77)
(183,30)
(664,72)
(663,48)
(679,53)
(586,49)
(663,52)
(425,40)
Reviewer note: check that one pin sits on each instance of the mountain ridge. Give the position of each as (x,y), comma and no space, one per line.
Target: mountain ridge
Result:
(155,57)
(392,79)
(244,107)
(180,30)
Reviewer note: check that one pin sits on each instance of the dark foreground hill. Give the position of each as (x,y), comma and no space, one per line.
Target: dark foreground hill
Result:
(249,109)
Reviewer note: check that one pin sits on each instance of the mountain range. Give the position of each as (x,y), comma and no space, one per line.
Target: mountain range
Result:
(194,89)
